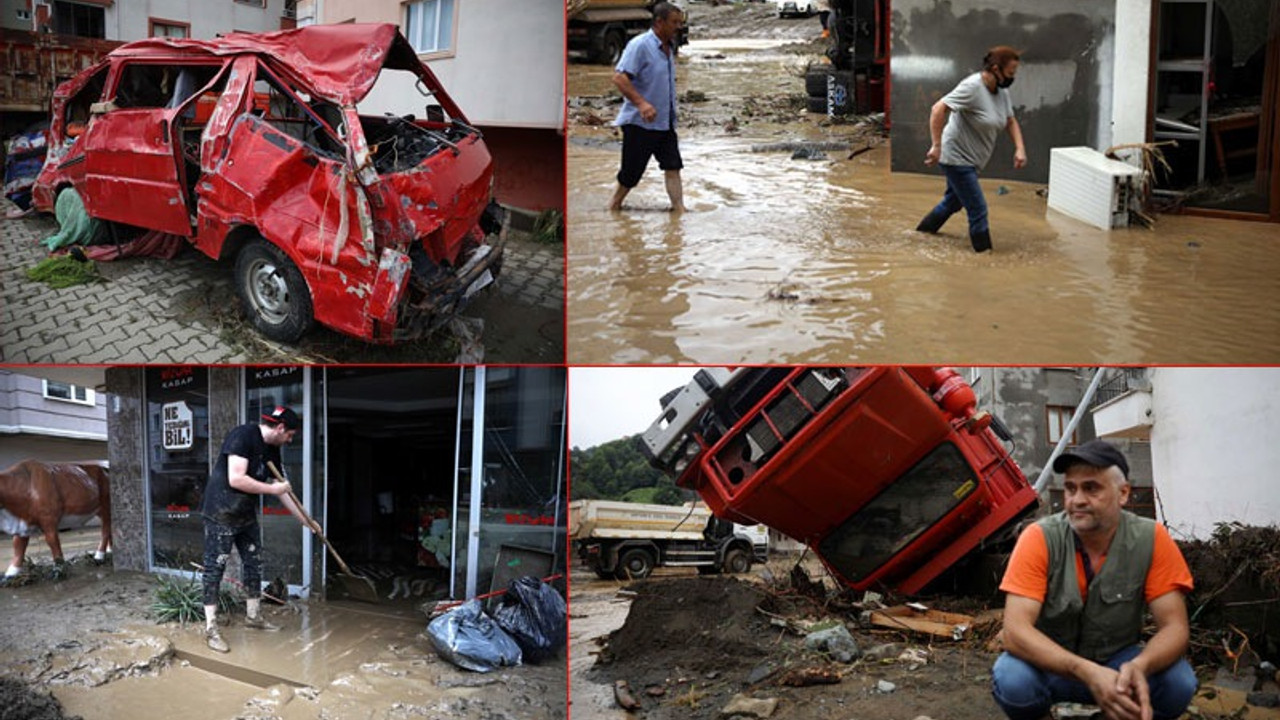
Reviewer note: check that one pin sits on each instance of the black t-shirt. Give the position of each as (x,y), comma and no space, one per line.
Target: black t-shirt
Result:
(225,504)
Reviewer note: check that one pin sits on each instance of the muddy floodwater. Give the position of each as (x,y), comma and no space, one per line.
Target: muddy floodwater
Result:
(90,641)
(817,260)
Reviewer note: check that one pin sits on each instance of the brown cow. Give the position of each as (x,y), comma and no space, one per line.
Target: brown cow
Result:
(38,495)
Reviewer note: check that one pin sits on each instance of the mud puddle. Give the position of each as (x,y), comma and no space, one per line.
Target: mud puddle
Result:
(90,642)
(817,260)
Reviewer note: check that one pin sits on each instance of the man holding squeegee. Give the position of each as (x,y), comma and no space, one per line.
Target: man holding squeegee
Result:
(230,512)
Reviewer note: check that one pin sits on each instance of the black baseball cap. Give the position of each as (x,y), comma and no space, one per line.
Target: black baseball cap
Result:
(1098,453)
(283,416)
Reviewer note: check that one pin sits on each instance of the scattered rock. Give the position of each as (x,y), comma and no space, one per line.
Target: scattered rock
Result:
(885,686)
(622,693)
(655,691)
(750,707)
(1263,699)
(836,642)
(914,657)
(883,652)
(760,672)
(803,677)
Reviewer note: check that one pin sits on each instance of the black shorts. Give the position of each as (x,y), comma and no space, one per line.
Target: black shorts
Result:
(639,144)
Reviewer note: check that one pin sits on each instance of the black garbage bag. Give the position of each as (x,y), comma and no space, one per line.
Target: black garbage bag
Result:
(468,638)
(533,613)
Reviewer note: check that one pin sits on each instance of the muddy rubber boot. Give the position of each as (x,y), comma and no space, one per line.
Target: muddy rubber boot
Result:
(931,222)
(981,241)
(260,623)
(214,640)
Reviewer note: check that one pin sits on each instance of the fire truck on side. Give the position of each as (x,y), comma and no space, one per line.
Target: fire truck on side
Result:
(889,474)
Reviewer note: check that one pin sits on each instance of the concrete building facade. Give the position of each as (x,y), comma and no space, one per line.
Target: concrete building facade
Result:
(504,64)
(1212,438)
(136,19)
(50,420)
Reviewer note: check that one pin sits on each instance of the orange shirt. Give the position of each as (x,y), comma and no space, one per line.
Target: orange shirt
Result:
(1028,571)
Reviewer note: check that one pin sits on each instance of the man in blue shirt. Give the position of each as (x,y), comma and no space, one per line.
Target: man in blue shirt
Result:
(646,76)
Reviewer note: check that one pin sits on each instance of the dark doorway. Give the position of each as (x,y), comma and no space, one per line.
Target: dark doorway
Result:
(391,435)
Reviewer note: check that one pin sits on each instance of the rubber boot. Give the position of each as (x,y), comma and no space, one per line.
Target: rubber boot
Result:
(981,241)
(931,222)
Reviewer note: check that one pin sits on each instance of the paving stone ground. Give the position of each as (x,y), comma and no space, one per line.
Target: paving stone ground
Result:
(184,311)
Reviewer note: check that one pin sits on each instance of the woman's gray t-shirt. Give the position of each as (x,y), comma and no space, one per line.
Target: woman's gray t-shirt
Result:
(977,117)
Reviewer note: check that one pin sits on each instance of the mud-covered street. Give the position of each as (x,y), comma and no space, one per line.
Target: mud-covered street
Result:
(90,641)
(690,646)
(815,258)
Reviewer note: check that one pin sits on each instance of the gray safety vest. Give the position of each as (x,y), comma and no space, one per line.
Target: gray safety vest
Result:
(1109,618)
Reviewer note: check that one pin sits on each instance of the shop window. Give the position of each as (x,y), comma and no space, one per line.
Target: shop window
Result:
(430,25)
(177,441)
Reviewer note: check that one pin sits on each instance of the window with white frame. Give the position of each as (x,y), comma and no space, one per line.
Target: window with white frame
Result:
(67,392)
(430,25)
(1059,419)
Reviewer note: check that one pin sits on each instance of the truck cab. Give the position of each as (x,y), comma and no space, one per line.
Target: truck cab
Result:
(889,474)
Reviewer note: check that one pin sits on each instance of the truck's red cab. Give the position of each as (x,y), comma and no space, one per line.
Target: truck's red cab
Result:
(251,146)
(888,473)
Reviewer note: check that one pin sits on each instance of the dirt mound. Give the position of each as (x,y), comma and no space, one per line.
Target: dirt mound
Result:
(704,624)
(19,702)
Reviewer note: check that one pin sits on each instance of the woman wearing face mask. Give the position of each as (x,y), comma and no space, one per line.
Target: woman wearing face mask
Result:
(979,107)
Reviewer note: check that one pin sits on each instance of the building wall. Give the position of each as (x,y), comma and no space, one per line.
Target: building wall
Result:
(507,69)
(126,423)
(1063,94)
(1213,446)
(529,167)
(9,15)
(35,427)
(130,20)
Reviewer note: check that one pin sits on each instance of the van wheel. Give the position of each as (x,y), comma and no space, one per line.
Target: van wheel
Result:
(636,564)
(272,291)
(737,561)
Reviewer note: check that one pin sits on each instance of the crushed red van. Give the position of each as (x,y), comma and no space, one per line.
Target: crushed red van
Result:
(889,474)
(251,147)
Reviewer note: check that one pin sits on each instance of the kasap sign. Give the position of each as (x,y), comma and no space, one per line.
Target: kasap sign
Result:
(179,426)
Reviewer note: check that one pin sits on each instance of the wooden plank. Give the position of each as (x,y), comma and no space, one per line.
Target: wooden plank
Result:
(951,626)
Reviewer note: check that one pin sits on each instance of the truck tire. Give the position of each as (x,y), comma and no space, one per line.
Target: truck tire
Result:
(737,561)
(815,82)
(635,564)
(276,299)
(611,50)
(817,104)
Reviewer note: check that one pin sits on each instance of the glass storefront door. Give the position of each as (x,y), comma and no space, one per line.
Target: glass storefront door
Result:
(285,546)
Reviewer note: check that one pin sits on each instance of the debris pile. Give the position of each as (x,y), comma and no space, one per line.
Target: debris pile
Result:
(1235,607)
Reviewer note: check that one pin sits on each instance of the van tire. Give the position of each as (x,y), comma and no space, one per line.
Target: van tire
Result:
(817,105)
(275,298)
(737,561)
(635,564)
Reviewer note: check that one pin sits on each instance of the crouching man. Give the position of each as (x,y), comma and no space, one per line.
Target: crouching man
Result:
(1078,583)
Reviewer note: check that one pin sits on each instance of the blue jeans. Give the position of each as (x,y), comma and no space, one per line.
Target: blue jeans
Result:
(1025,692)
(963,191)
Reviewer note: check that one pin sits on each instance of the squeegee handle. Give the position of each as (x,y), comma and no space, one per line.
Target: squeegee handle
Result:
(315,526)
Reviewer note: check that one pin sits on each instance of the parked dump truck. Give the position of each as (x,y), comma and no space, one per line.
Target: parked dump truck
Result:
(598,30)
(856,80)
(628,540)
(889,474)
(31,66)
